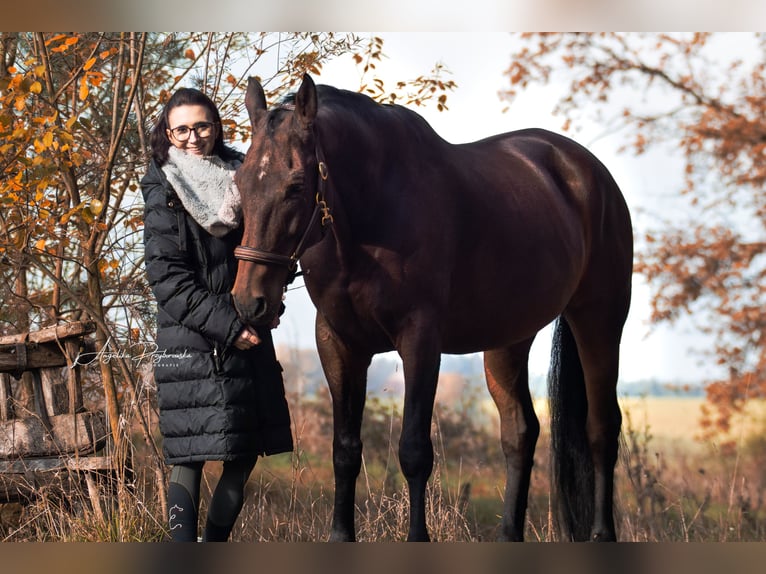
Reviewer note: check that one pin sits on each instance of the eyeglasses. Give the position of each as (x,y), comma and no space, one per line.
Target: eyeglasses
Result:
(202,129)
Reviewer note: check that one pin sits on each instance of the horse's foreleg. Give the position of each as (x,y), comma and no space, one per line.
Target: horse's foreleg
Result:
(508,382)
(346,374)
(420,357)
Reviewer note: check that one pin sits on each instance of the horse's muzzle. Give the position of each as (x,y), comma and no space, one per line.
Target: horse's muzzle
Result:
(254,312)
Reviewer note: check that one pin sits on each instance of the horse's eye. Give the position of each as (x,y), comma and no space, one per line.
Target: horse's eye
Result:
(294,189)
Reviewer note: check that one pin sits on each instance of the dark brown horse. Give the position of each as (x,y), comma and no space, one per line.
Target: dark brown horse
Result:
(412,244)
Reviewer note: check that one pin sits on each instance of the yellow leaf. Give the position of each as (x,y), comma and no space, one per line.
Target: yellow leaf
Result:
(39,70)
(89,64)
(48,139)
(87,215)
(96,206)
(40,244)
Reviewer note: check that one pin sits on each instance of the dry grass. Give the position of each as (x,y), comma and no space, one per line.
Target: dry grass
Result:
(666,491)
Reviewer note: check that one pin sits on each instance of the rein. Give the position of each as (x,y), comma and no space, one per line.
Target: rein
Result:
(255,255)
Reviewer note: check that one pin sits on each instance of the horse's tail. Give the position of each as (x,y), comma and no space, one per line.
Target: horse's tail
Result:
(571,462)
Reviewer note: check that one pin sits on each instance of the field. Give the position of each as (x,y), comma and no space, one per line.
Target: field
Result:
(670,486)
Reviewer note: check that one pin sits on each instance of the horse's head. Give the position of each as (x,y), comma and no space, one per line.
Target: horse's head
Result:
(282,199)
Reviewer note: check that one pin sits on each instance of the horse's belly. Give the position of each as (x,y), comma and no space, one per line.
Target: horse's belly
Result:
(495,328)
(508,302)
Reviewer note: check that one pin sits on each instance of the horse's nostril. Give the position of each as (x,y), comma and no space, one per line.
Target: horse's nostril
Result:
(251,312)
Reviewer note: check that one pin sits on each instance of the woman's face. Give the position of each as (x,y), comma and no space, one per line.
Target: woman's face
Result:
(191,129)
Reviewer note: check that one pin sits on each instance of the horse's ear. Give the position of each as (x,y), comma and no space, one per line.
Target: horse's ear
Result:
(306,102)
(255,100)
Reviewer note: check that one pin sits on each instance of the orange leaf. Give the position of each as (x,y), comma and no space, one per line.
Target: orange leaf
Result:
(189,54)
(83,88)
(55,38)
(89,64)
(71,41)
(95,78)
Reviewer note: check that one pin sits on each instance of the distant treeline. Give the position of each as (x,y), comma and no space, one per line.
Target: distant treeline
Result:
(303,373)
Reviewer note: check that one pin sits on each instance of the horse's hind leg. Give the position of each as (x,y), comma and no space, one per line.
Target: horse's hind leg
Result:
(346,374)
(597,333)
(508,381)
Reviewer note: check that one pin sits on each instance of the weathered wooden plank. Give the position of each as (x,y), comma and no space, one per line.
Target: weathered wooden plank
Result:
(55,391)
(54,333)
(70,433)
(32,356)
(23,395)
(28,465)
(21,481)
(74,386)
(6,398)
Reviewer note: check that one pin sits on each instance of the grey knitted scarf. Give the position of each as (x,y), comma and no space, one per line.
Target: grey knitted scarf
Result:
(206,188)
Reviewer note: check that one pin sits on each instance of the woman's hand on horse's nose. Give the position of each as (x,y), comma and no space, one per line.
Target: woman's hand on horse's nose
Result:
(247,339)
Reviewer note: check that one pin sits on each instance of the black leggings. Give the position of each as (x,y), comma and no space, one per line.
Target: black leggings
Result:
(225,504)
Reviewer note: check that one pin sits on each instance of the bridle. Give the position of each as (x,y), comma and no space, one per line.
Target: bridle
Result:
(320,214)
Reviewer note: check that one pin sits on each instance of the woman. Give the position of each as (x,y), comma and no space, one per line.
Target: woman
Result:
(220,388)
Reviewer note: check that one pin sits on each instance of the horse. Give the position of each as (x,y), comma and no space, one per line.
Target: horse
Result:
(412,244)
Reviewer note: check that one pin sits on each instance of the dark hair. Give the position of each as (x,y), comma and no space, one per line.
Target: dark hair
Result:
(158,138)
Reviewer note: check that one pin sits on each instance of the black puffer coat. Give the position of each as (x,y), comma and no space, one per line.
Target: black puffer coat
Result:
(216,401)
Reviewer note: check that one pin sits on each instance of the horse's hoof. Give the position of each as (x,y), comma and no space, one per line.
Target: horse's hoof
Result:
(510,538)
(603,537)
(418,537)
(342,537)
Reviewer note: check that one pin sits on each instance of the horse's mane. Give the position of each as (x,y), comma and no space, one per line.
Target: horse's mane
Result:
(340,103)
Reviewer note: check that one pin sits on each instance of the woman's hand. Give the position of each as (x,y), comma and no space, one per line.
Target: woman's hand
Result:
(247,339)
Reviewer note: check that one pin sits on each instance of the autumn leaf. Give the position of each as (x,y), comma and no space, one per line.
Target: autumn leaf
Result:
(96,206)
(83,93)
